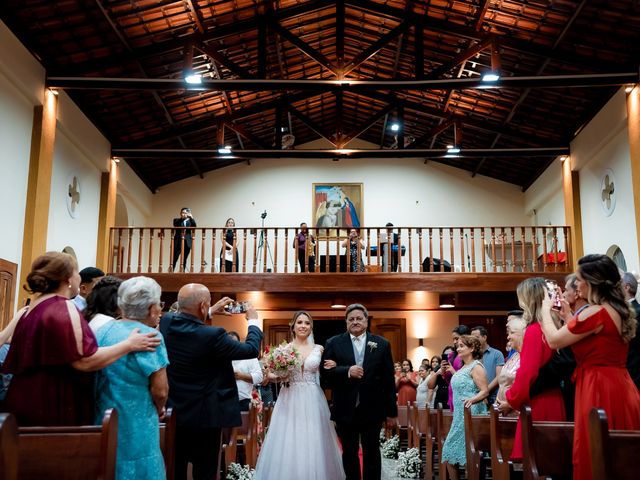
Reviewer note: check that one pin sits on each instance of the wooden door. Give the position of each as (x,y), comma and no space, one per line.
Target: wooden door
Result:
(395,331)
(496,326)
(8,272)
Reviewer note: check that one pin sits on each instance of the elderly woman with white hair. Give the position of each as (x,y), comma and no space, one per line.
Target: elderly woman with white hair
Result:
(515,332)
(136,385)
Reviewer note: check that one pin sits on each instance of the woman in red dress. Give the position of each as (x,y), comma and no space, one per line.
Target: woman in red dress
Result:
(406,383)
(599,337)
(535,353)
(53,348)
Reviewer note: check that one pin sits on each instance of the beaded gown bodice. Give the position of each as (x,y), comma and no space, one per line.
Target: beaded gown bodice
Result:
(308,372)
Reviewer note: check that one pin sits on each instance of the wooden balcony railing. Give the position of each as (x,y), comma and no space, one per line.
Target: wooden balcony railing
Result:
(497,249)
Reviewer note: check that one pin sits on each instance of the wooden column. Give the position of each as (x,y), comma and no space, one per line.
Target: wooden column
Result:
(633,121)
(572,212)
(107,215)
(36,215)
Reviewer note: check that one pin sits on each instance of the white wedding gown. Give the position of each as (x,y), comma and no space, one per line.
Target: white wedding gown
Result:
(301,443)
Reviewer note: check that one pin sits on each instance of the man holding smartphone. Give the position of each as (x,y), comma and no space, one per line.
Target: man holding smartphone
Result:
(182,237)
(202,383)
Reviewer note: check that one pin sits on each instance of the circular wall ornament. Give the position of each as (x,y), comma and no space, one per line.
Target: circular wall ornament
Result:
(73,194)
(608,194)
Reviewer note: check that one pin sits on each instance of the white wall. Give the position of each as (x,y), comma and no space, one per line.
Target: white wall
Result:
(21,79)
(603,144)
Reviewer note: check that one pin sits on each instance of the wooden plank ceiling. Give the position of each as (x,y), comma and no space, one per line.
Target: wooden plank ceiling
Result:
(559,62)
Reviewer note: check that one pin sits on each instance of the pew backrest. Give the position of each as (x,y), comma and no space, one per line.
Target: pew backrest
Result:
(477,439)
(444,420)
(168,442)
(502,433)
(72,453)
(547,447)
(613,452)
(8,447)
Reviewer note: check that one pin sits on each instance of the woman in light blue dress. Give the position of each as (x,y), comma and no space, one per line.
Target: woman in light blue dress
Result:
(470,388)
(136,384)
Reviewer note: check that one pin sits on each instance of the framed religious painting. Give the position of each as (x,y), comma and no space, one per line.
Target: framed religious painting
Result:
(337,207)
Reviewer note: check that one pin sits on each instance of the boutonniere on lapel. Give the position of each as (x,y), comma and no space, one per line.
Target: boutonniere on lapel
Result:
(372,346)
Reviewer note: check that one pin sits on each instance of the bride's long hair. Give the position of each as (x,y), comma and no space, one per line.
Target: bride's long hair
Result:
(293,322)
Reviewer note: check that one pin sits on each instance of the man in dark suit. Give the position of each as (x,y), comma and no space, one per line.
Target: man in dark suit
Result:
(630,287)
(202,385)
(185,220)
(364,393)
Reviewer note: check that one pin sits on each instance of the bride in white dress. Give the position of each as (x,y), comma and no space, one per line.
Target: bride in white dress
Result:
(301,443)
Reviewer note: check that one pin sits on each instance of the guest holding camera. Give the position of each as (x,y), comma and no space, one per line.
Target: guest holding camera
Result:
(184,220)
(599,337)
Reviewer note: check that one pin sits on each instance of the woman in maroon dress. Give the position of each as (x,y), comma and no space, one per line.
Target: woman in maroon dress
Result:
(535,353)
(53,348)
(406,383)
(599,337)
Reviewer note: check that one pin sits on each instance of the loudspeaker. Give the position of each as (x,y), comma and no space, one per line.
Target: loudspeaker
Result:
(426,265)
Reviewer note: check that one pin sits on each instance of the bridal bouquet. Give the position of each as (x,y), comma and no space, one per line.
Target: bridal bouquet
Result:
(409,464)
(281,360)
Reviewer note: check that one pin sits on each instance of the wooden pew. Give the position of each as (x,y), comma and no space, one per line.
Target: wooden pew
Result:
(613,452)
(403,425)
(246,437)
(547,447)
(267,411)
(8,447)
(502,433)
(431,444)
(168,442)
(70,453)
(444,419)
(413,421)
(478,440)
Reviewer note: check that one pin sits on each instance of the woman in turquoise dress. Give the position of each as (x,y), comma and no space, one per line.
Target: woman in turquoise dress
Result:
(136,384)
(470,388)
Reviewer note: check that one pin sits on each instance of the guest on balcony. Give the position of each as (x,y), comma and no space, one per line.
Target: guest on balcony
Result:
(226,254)
(306,248)
(184,220)
(355,245)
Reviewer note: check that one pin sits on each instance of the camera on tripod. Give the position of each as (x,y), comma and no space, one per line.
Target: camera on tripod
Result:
(263,215)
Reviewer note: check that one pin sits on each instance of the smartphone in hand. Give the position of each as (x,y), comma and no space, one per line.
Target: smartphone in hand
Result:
(237,307)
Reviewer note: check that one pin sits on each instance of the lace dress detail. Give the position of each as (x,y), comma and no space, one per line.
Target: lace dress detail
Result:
(454,449)
(301,422)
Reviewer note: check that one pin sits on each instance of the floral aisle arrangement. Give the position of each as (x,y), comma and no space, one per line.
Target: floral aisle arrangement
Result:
(391,447)
(256,401)
(409,464)
(240,472)
(281,360)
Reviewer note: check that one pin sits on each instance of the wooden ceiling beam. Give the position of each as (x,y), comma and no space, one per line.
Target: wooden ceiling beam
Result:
(241,130)
(368,123)
(160,153)
(369,52)
(311,124)
(437,130)
(460,58)
(224,60)
(340,21)
(522,46)
(482,11)
(304,47)
(207,122)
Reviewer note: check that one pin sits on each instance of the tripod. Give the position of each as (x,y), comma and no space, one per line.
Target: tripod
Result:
(262,244)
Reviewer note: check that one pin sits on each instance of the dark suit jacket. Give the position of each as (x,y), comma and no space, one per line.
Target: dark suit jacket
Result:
(202,385)
(377,392)
(633,358)
(177,236)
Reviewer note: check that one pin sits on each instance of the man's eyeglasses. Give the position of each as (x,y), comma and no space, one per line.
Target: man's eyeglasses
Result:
(161,305)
